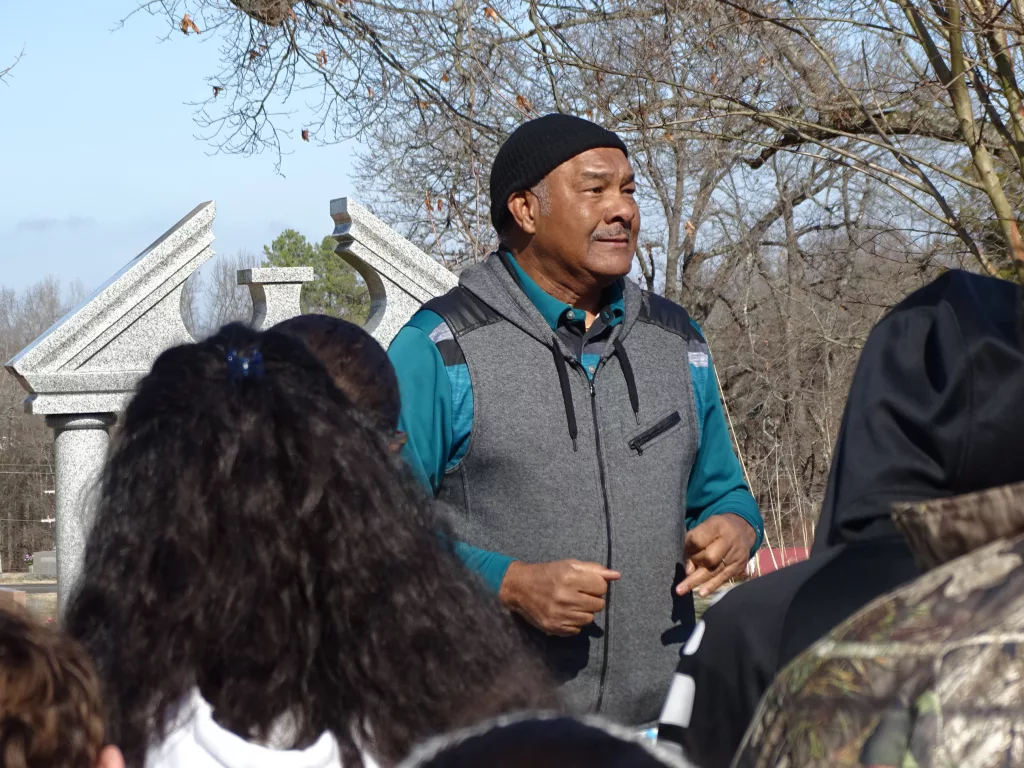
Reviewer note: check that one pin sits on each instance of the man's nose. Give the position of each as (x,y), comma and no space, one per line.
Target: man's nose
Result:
(622,210)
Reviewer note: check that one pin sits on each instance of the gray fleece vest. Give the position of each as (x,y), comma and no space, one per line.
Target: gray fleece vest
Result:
(618,497)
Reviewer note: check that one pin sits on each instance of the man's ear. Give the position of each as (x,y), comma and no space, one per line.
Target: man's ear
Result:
(110,757)
(524,208)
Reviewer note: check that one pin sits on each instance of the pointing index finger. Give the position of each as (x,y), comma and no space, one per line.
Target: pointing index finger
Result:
(596,568)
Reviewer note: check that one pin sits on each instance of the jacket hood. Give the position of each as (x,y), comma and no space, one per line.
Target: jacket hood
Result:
(195,740)
(934,407)
(942,530)
(491,282)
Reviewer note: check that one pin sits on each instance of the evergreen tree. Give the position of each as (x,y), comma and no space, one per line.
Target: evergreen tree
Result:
(337,289)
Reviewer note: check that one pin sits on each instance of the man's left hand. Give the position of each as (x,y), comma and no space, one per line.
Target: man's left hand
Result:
(716,550)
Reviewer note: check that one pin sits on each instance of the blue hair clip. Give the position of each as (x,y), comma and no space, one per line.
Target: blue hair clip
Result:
(243,366)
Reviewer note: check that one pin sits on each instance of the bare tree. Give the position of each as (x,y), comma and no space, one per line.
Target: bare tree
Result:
(212,296)
(191,304)
(432,90)
(802,166)
(4,73)
(26,444)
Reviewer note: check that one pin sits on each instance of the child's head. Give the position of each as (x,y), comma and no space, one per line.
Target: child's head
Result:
(255,538)
(51,711)
(357,363)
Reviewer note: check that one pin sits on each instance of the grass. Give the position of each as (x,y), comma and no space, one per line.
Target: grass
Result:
(43,607)
(7,579)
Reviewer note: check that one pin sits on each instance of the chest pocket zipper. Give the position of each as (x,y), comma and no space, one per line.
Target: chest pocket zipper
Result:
(657,430)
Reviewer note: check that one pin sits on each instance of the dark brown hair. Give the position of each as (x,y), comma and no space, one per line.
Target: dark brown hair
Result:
(51,710)
(357,363)
(255,537)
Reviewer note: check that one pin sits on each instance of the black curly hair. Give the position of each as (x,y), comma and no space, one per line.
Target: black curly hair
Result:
(255,537)
(358,364)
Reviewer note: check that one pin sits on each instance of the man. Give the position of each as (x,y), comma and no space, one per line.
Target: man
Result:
(572,425)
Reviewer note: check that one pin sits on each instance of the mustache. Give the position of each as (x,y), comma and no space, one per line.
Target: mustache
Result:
(602,234)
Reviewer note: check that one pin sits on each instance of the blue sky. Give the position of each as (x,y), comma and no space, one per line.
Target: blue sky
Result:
(99,154)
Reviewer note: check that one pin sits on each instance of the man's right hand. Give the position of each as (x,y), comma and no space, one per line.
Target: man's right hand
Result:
(558,598)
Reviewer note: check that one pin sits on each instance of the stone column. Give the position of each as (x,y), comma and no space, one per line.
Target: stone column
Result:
(275,292)
(84,369)
(80,448)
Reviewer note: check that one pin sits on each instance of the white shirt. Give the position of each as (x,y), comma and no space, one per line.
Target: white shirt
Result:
(196,741)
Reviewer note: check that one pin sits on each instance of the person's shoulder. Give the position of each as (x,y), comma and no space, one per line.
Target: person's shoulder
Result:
(426,333)
(462,311)
(415,344)
(670,317)
(425,320)
(423,330)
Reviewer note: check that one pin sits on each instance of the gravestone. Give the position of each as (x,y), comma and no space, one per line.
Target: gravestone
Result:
(82,372)
(45,564)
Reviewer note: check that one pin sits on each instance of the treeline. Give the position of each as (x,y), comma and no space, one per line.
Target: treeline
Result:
(26,444)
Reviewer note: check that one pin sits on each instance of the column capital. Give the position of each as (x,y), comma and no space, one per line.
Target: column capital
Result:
(276,293)
(66,421)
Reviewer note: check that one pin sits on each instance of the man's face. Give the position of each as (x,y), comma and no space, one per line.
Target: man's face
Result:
(591,220)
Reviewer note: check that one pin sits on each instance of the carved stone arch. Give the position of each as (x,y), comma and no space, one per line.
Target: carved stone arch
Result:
(82,372)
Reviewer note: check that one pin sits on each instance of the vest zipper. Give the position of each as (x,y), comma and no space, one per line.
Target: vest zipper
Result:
(659,429)
(608,534)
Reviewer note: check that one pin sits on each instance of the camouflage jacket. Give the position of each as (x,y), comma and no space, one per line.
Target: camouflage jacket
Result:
(929,675)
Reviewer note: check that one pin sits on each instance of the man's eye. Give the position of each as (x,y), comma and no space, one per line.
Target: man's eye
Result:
(595,189)
(630,191)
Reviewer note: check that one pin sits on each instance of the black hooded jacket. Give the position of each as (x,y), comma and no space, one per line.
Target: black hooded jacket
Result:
(934,410)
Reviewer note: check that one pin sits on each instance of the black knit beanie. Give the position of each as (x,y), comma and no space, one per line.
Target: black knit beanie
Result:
(535,149)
